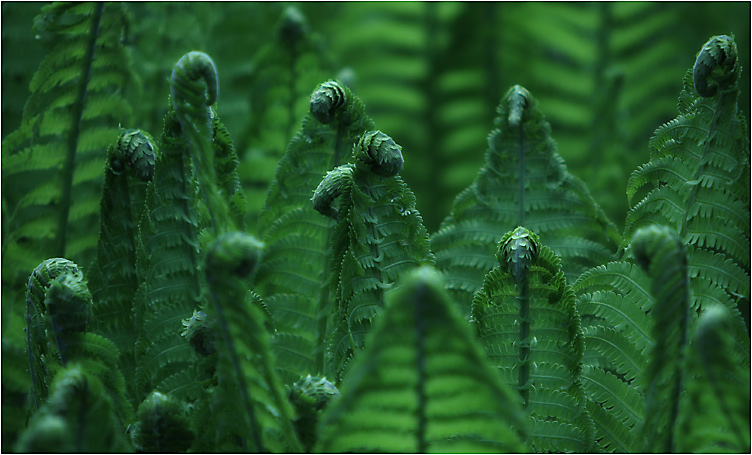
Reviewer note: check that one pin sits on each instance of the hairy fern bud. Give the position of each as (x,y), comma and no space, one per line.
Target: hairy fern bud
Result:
(517,250)
(716,60)
(326,100)
(139,151)
(379,153)
(310,396)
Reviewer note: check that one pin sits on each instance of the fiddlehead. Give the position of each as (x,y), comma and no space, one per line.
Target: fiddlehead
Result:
(310,396)
(139,152)
(331,187)
(192,98)
(36,327)
(715,66)
(162,426)
(517,250)
(327,101)
(379,153)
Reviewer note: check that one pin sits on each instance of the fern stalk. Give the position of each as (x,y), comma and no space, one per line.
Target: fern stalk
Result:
(75,131)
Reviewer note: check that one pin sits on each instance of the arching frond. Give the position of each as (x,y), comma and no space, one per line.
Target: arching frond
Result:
(422,384)
(524,182)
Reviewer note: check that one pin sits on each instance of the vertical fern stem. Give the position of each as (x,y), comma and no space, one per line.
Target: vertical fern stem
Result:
(524,372)
(75,131)
(521,175)
(257,446)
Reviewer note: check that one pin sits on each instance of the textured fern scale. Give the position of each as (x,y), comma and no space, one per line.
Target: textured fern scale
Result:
(524,182)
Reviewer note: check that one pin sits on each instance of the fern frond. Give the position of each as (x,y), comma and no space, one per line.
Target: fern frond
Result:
(52,186)
(422,384)
(699,173)
(715,411)
(524,182)
(78,417)
(526,319)
(379,236)
(660,252)
(113,279)
(168,265)
(296,259)
(248,388)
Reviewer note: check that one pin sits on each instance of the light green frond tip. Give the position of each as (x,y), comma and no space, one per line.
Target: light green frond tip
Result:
(422,384)
(517,98)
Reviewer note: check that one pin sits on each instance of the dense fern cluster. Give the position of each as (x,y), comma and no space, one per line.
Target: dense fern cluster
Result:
(331,320)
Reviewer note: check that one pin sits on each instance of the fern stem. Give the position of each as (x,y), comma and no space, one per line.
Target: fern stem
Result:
(257,446)
(75,131)
(524,372)
(521,175)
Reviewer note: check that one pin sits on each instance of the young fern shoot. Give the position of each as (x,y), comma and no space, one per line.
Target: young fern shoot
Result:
(295,274)
(523,183)
(526,319)
(379,236)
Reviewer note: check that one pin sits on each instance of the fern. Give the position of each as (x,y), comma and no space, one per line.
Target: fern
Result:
(715,411)
(169,265)
(61,305)
(113,278)
(661,253)
(78,417)
(294,275)
(162,426)
(422,384)
(52,162)
(698,176)
(524,182)
(527,322)
(260,420)
(379,236)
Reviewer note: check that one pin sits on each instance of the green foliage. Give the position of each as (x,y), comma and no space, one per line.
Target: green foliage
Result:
(594,341)
(294,275)
(422,384)
(526,320)
(524,182)
(78,417)
(251,411)
(716,409)
(379,236)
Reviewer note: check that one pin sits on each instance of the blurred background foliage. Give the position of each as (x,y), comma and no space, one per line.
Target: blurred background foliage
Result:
(430,73)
